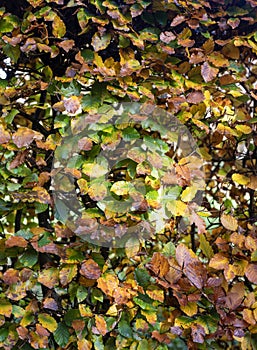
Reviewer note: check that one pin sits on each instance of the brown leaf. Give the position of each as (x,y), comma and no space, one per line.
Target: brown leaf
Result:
(23,137)
(72,104)
(66,45)
(193,269)
(85,144)
(198,333)
(51,304)
(15,241)
(251,273)
(11,276)
(90,269)
(177,20)
(208,72)
(22,332)
(235,296)
(162,338)
(195,97)
(229,222)
(42,195)
(159,264)
(41,331)
(19,159)
(4,135)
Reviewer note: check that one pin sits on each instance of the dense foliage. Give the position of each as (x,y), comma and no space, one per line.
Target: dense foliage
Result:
(193,283)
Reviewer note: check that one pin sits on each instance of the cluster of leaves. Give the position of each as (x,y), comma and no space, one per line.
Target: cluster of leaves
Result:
(193,288)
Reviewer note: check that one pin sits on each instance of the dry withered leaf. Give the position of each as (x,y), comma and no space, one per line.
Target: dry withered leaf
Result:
(195,97)
(23,137)
(90,269)
(72,104)
(108,283)
(219,261)
(208,72)
(229,222)
(159,264)
(167,37)
(66,45)
(19,159)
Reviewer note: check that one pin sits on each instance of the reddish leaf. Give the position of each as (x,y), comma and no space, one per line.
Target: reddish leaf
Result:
(11,276)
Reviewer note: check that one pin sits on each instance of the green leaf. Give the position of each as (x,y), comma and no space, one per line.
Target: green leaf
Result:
(142,277)
(169,249)
(27,234)
(124,327)
(71,315)
(3,334)
(82,293)
(62,335)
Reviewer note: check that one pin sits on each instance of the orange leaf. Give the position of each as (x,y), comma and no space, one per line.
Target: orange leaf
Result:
(229,222)
(101,324)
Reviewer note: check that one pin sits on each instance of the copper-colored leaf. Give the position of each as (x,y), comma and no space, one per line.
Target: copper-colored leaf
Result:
(49,277)
(11,276)
(208,72)
(16,241)
(90,269)
(159,264)
(167,37)
(108,283)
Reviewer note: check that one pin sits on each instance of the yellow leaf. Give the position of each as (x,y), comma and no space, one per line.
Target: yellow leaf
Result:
(85,311)
(156,294)
(47,321)
(108,283)
(177,208)
(188,194)
(240,179)
(5,308)
(245,129)
(59,28)
(229,222)
(190,309)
